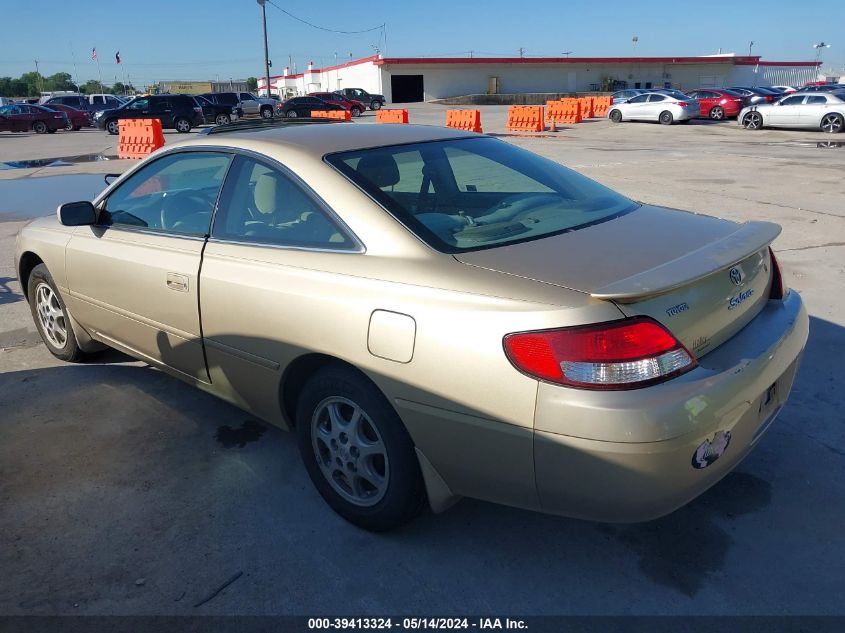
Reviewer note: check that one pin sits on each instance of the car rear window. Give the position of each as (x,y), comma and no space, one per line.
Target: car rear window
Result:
(475,193)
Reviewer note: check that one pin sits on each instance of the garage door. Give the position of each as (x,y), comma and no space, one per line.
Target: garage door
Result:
(406,88)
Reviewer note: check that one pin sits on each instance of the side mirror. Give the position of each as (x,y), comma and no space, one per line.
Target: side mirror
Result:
(77,214)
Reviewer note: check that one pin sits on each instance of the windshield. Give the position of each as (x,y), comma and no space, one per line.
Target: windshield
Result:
(475,193)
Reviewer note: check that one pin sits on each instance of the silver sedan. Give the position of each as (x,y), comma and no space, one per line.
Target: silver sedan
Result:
(817,110)
(666,107)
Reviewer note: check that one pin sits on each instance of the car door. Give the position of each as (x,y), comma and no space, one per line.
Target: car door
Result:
(7,123)
(133,277)
(786,112)
(655,105)
(162,108)
(249,103)
(810,114)
(635,108)
(706,100)
(272,242)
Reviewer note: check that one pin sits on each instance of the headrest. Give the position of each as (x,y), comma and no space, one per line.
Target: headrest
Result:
(265,193)
(379,169)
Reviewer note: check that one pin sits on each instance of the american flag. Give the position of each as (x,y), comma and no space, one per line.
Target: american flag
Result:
(94,53)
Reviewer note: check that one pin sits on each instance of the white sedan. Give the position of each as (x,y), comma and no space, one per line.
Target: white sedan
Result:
(665,107)
(817,110)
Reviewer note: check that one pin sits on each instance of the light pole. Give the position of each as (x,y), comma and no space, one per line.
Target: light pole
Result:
(266,52)
(567,53)
(750,46)
(819,48)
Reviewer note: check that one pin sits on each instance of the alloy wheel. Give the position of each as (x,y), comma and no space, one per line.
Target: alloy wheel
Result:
(350,451)
(753,121)
(832,123)
(50,315)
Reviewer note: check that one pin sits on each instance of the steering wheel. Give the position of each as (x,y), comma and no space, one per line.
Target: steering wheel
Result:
(181,205)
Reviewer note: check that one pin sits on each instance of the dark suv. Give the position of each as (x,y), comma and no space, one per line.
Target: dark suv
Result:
(372,100)
(178,112)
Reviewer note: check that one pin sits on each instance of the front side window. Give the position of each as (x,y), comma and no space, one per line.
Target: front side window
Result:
(469,194)
(175,194)
(139,104)
(792,100)
(261,204)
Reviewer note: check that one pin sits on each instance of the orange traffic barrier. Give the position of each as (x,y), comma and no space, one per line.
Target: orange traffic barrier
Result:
(526,118)
(139,137)
(586,107)
(391,116)
(469,120)
(601,105)
(340,115)
(563,111)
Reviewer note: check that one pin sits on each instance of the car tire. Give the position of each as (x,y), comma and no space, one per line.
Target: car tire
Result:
(222,119)
(112,127)
(753,121)
(717,113)
(182,125)
(39,127)
(832,123)
(69,127)
(666,118)
(291,114)
(356,450)
(356,112)
(266,112)
(375,105)
(51,316)
(616,116)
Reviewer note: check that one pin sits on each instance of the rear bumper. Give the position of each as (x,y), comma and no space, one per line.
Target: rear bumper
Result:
(631,456)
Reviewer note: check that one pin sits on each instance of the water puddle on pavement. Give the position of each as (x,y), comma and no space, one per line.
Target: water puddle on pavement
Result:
(26,198)
(56,162)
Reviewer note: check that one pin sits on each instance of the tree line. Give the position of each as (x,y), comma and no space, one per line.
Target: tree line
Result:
(32,84)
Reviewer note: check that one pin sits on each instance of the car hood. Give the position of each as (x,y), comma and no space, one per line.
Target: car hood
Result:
(598,256)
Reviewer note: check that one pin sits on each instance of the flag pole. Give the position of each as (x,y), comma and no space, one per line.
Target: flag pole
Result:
(99,72)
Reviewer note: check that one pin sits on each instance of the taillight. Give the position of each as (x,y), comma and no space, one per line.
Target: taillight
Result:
(769,98)
(683,104)
(778,289)
(198,109)
(624,354)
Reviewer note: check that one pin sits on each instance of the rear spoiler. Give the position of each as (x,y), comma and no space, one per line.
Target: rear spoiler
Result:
(747,239)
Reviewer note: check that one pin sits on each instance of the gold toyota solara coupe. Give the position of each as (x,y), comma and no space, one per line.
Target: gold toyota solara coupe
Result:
(435,313)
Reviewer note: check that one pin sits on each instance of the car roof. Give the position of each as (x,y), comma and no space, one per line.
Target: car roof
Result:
(319,140)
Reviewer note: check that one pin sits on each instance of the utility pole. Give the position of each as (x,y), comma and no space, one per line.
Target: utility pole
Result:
(521,52)
(40,80)
(262,3)
(750,46)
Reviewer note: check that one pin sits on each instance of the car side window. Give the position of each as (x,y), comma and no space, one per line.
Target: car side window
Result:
(174,194)
(139,104)
(638,99)
(261,204)
(816,99)
(793,100)
(652,98)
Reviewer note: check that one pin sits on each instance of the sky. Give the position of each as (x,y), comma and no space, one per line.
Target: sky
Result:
(173,40)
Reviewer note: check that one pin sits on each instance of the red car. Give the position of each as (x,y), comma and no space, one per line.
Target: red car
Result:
(22,117)
(717,104)
(353,105)
(76,118)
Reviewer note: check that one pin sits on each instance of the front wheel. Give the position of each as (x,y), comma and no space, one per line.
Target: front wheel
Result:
(69,127)
(39,127)
(752,121)
(266,112)
(832,123)
(375,105)
(50,316)
(356,112)
(222,119)
(291,114)
(717,113)
(666,118)
(356,450)
(182,125)
(616,116)
(112,127)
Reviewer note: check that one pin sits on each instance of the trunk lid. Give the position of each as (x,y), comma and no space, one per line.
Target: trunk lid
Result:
(703,278)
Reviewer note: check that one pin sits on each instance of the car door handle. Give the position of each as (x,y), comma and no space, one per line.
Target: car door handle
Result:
(177,282)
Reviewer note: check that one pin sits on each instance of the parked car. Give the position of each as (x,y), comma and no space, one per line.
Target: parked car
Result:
(89,103)
(824,88)
(76,119)
(355,107)
(785,89)
(178,112)
(819,110)
(23,117)
(424,344)
(623,96)
(655,106)
(230,99)
(303,106)
(756,95)
(717,104)
(217,113)
(374,101)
